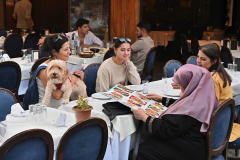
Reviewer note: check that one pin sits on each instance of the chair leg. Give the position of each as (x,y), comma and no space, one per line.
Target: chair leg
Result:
(139,131)
(236,153)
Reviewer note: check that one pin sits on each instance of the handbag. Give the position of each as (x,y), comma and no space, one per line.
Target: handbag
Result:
(113,109)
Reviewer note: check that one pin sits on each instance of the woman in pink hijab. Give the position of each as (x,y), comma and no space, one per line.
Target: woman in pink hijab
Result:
(179,132)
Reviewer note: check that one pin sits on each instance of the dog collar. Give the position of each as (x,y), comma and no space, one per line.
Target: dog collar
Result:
(69,79)
(59,85)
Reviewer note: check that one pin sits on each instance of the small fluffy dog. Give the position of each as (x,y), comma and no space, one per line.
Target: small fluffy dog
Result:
(58,78)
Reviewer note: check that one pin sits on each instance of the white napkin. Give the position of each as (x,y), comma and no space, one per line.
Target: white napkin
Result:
(3,132)
(60,121)
(27,62)
(2,38)
(6,57)
(17,110)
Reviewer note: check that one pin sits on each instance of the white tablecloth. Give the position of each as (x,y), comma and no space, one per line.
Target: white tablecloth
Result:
(161,38)
(203,42)
(214,35)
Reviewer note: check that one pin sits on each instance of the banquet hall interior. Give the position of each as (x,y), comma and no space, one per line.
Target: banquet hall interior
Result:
(164,36)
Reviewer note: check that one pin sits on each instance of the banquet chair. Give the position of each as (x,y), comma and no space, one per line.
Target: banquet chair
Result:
(11,76)
(31,41)
(86,140)
(219,131)
(194,46)
(150,60)
(7,99)
(169,67)
(29,144)
(13,45)
(3,33)
(42,53)
(90,77)
(226,56)
(192,60)
(184,45)
(110,53)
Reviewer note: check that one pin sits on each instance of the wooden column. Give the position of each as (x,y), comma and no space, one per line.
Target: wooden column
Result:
(125,15)
(2,13)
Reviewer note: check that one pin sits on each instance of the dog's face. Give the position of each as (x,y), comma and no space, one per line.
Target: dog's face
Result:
(57,71)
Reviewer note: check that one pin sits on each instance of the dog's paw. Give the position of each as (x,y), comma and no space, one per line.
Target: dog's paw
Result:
(65,101)
(44,102)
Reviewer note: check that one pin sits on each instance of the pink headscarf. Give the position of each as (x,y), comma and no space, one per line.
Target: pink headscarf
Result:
(199,98)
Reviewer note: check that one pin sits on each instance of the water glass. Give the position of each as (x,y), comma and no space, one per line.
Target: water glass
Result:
(235,68)
(31,113)
(145,86)
(133,87)
(230,67)
(164,84)
(44,114)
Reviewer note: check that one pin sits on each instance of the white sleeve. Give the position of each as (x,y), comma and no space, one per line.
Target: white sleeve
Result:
(95,39)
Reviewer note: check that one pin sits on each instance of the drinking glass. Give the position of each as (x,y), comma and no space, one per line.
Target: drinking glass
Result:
(230,67)
(44,114)
(31,113)
(145,86)
(133,87)
(164,84)
(235,68)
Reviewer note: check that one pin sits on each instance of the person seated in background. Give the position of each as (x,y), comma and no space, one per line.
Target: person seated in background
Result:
(85,38)
(142,46)
(76,16)
(209,58)
(179,133)
(117,69)
(58,47)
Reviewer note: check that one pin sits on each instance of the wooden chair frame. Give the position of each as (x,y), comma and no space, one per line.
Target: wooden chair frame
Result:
(224,146)
(150,71)
(165,66)
(78,126)
(25,135)
(18,54)
(11,63)
(6,90)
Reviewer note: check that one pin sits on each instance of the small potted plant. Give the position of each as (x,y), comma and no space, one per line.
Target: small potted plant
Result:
(82,110)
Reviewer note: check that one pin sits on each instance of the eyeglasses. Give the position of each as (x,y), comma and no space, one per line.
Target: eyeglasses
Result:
(125,39)
(59,37)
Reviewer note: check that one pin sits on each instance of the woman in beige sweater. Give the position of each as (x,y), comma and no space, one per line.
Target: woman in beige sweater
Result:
(118,69)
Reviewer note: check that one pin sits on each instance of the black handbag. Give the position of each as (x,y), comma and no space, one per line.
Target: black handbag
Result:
(113,109)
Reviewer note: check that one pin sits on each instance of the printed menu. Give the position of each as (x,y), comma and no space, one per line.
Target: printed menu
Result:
(135,100)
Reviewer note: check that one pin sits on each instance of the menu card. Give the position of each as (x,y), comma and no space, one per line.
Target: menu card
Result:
(135,100)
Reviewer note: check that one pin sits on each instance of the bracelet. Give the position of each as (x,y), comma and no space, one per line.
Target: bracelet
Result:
(150,124)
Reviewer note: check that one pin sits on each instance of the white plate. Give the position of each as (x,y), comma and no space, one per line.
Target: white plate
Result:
(138,87)
(10,118)
(100,96)
(172,92)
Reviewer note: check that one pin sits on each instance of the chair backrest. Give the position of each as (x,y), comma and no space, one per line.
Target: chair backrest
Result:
(194,46)
(110,53)
(85,140)
(149,63)
(220,129)
(31,41)
(13,45)
(3,33)
(37,63)
(7,99)
(29,144)
(90,77)
(192,60)
(169,67)
(11,76)
(226,56)
(184,45)
(196,32)
(42,53)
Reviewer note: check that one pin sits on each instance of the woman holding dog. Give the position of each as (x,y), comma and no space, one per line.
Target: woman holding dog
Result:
(58,47)
(118,69)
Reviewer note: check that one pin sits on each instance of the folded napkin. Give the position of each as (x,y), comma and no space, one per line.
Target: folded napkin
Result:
(6,57)
(3,132)
(2,38)
(60,121)
(27,62)
(17,110)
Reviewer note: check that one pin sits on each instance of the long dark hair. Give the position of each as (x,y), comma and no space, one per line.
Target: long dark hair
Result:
(53,42)
(212,51)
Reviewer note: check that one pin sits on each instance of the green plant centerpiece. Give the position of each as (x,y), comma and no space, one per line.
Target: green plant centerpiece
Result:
(82,110)
(82,103)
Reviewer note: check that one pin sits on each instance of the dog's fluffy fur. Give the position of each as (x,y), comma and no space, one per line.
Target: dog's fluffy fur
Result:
(57,72)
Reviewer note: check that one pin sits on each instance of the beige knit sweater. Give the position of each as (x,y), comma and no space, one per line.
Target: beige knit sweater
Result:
(111,73)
